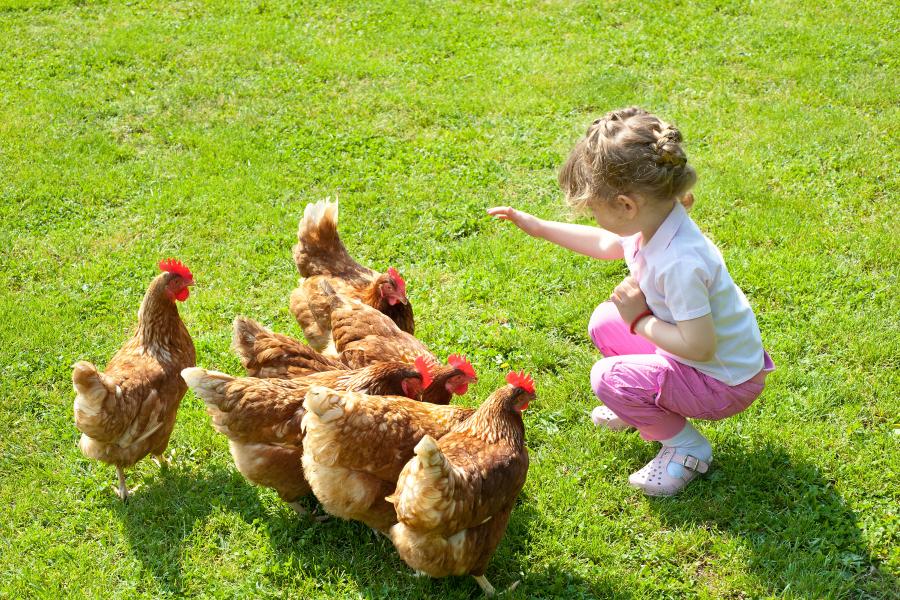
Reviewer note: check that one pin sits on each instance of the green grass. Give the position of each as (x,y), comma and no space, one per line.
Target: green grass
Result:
(134,131)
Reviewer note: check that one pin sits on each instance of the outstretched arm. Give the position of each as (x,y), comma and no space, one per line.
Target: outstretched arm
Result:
(583,239)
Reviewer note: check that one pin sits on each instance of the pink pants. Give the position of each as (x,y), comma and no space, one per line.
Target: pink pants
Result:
(655,393)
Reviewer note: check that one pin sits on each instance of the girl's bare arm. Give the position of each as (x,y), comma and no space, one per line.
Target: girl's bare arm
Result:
(583,239)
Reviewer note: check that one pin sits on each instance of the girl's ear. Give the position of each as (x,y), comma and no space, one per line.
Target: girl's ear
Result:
(626,205)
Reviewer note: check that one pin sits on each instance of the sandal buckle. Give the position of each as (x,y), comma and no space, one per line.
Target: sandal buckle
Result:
(691,462)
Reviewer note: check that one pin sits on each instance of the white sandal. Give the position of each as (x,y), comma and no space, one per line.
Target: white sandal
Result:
(654,478)
(602,416)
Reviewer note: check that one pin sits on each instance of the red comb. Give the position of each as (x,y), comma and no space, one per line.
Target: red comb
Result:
(521,380)
(462,363)
(424,366)
(398,281)
(171,265)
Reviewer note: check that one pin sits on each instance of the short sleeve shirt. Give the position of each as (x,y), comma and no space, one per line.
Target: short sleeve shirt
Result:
(683,277)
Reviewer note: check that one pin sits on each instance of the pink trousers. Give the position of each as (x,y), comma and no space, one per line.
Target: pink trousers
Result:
(655,393)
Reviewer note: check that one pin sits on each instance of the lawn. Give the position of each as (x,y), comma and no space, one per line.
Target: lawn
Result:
(134,131)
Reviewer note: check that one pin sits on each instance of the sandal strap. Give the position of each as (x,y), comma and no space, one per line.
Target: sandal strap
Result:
(691,462)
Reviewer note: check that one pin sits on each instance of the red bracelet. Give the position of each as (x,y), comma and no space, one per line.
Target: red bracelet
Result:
(646,313)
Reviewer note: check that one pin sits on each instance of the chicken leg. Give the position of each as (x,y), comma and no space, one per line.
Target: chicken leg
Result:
(485,585)
(122,490)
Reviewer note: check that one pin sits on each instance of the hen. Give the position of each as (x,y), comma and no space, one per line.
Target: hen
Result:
(363,336)
(454,498)
(128,411)
(356,445)
(267,354)
(321,256)
(261,417)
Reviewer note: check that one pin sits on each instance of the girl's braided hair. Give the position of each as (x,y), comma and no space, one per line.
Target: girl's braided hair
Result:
(628,151)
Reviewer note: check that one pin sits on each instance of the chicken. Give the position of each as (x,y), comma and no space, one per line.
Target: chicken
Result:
(448,380)
(128,411)
(454,498)
(321,256)
(362,336)
(356,445)
(267,354)
(261,417)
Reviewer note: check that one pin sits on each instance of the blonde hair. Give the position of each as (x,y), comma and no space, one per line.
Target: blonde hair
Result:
(629,151)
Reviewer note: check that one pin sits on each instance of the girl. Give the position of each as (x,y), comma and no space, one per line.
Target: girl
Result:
(679,337)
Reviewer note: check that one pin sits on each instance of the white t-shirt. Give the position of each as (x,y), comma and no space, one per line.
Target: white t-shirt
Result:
(683,277)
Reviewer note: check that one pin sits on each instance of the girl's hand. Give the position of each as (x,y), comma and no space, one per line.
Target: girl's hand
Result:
(629,299)
(527,223)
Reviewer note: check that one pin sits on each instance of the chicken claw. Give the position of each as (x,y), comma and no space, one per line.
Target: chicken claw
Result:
(485,585)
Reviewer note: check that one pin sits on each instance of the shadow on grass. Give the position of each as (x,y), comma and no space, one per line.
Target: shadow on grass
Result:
(161,516)
(354,551)
(165,510)
(803,538)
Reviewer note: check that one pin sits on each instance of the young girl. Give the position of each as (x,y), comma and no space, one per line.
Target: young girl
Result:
(679,337)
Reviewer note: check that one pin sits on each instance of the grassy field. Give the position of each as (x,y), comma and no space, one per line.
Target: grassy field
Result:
(135,131)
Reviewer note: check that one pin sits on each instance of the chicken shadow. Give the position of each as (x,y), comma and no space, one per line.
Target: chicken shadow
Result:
(371,561)
(549,582)
(164,512)
(171,505)
(801,534)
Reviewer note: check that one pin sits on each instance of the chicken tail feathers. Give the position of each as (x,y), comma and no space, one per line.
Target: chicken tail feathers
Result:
(244,336)
(429,470)
(324,403)
(91,389)
(428,453)
(209,386)
(317,230)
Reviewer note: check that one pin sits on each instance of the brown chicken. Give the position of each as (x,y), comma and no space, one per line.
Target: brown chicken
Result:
(356,446)
(267,354)
(454,498)
(361,334)
(128,411)
(261,417)
(321,256)
(448,380)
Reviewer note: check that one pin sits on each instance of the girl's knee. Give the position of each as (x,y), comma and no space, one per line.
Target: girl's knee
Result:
(601,372)
(603,317)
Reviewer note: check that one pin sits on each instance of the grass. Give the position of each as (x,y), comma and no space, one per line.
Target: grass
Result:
(134,131)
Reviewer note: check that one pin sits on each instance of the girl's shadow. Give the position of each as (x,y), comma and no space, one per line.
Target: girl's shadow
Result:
(802,536)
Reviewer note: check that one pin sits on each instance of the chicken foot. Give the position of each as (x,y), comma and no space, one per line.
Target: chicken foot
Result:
(301,510)
(485,585)
(122,490)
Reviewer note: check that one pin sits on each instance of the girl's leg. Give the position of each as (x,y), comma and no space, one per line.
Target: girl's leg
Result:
(611,336)
(629,386)
(632,387)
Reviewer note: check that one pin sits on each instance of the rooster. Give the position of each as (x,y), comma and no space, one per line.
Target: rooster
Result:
(356,445)
(128,411)
(454,498)
(267,354)
(261,417)
(321,256)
